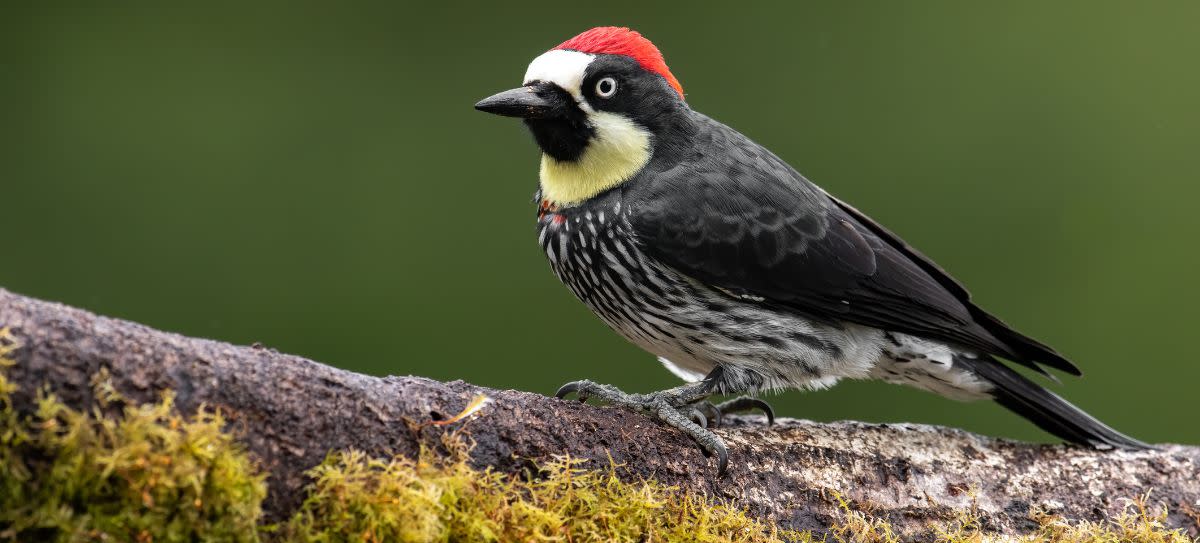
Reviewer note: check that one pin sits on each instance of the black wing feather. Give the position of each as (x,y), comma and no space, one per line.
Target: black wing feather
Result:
(745,221)
(1029,347)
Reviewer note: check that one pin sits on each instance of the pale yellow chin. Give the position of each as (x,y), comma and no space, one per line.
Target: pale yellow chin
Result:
(619,150)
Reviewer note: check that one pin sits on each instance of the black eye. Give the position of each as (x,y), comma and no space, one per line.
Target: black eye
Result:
(606,87)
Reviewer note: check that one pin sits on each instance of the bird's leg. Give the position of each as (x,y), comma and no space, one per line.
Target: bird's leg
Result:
(674,406)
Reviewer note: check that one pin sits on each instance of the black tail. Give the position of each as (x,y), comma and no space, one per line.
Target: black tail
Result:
(1044,408)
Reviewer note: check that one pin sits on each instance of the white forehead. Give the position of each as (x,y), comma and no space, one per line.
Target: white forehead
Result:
(561,67)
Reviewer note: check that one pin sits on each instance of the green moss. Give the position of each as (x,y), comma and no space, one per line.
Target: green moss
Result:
(1138,523)
(438,498)
(147,473)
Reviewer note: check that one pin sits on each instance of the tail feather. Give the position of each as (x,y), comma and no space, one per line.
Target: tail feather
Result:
(1046,409)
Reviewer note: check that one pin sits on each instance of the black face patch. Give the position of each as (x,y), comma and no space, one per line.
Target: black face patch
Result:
(564,136)
(644,97)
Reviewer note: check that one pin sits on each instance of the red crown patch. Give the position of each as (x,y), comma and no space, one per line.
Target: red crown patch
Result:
(618,40)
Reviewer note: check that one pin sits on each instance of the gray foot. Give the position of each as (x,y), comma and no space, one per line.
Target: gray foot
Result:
(675,407)
(707,414)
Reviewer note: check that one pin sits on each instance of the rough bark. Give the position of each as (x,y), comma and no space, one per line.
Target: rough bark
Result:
(289,412)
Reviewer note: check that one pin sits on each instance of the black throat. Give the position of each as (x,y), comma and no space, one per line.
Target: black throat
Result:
(565,134)
(563,138)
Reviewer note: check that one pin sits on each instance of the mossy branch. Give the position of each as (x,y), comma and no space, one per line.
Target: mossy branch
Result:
(289,413)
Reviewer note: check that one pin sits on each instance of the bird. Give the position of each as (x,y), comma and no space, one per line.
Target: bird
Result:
(739,274)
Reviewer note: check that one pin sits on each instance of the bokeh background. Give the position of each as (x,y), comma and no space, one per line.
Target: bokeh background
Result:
(313,177)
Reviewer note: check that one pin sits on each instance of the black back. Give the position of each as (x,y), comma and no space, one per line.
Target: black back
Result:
(730,213)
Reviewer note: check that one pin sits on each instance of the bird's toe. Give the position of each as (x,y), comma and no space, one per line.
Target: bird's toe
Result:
(747,403)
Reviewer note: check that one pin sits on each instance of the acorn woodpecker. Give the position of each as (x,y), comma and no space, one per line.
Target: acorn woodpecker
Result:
(740,275)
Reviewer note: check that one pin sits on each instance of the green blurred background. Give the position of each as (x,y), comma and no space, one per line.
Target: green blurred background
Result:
(314,177)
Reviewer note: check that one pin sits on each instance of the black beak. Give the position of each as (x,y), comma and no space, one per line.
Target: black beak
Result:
(537,101)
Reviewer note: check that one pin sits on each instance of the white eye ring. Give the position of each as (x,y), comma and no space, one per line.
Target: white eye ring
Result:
(606,87)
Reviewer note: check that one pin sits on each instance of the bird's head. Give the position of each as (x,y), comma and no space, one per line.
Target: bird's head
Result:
(596,105)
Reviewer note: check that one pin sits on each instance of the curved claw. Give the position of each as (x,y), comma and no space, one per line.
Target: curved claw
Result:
(568,388)
(699,418)
(578,387)
(711,447)
(722,459)
(746,403)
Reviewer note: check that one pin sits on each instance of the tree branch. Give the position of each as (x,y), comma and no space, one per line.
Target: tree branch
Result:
(289,412)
